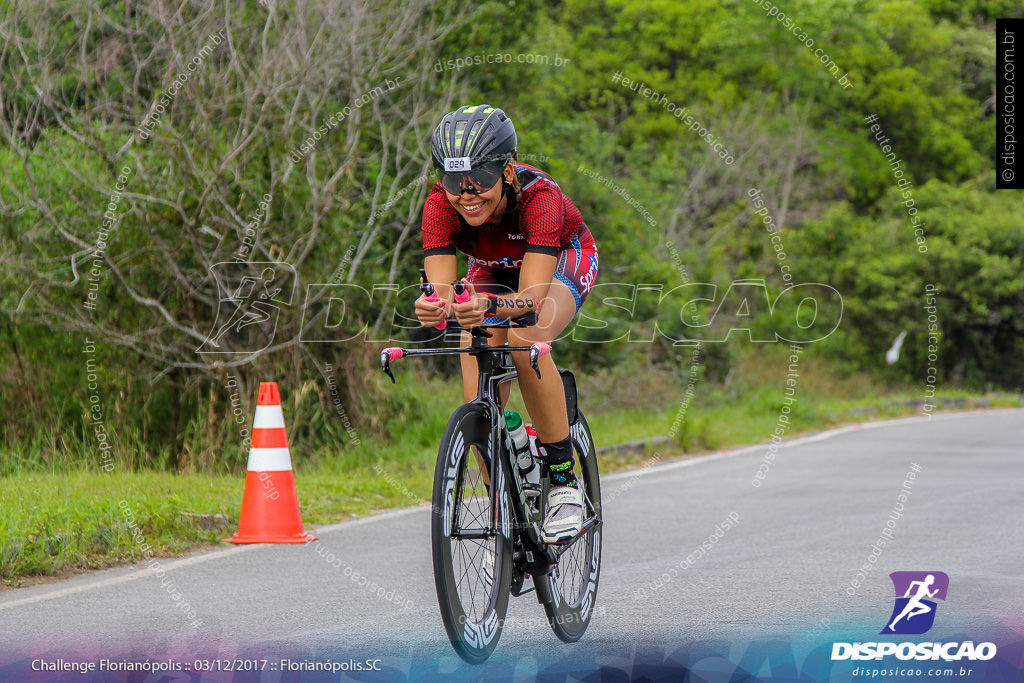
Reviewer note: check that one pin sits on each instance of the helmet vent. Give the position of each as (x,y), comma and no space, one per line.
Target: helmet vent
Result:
(472,133)
(446,134)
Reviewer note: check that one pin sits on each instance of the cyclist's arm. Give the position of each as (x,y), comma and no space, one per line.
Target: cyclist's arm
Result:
(534,280)
(542,216)
(442,270)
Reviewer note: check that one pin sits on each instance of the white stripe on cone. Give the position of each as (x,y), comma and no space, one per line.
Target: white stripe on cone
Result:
(268,417)
(269,460)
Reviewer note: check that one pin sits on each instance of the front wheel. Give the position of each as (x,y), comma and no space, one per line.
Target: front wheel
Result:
(472,566)
(573,581)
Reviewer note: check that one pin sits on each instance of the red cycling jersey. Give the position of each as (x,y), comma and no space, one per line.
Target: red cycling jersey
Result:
(545,221)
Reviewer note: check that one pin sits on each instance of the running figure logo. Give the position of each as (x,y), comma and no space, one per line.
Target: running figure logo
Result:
(251,299)
(916,592)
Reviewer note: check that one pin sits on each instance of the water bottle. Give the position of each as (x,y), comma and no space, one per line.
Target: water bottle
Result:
(524,447)
(520,440)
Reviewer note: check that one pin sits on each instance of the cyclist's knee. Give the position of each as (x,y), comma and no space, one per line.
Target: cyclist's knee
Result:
(527,335)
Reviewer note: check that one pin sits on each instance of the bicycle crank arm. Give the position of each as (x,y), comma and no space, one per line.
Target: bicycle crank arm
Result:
(557,550)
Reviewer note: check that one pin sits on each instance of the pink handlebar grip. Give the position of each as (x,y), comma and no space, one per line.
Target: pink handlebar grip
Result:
(394,352)
(542,348)
(444,323)
(463,297)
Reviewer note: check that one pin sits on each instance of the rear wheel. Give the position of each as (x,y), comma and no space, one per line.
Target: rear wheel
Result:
(472,570)
(573,581)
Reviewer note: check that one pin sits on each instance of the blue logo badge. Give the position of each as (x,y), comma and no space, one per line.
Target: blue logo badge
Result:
(916,593)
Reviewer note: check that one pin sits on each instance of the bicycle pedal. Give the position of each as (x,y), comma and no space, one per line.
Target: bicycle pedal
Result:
(568,540)
(531,490)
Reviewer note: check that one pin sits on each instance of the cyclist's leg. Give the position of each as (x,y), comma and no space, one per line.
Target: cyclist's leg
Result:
(574,277)
(545,397)
(545,401)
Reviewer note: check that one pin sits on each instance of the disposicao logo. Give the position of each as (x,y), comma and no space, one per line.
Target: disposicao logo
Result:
(914,614)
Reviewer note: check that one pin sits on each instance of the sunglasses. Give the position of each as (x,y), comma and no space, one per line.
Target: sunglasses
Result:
(480,179)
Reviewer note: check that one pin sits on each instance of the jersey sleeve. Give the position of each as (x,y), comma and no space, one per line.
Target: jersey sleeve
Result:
(541,218)
(440,224)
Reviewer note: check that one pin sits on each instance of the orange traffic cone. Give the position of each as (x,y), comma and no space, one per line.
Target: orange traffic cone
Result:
(270,509)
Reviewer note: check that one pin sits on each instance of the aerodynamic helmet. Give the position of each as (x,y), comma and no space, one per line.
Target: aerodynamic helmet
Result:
(472,136)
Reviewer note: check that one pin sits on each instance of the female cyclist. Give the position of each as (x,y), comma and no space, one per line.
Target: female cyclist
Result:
(529,250)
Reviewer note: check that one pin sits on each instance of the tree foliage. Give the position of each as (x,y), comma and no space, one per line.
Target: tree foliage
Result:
(296,133)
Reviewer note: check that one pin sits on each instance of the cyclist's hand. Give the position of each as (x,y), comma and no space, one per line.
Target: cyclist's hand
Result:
(471,313)
(431,313)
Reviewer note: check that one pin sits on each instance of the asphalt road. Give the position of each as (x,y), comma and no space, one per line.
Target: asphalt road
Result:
(767,593)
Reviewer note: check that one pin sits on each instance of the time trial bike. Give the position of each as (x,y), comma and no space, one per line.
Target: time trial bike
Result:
(486,515)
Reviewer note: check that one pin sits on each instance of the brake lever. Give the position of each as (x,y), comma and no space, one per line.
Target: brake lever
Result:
(538,349)
(386,356)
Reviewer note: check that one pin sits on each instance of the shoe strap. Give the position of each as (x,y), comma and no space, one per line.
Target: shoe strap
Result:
(564,495)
